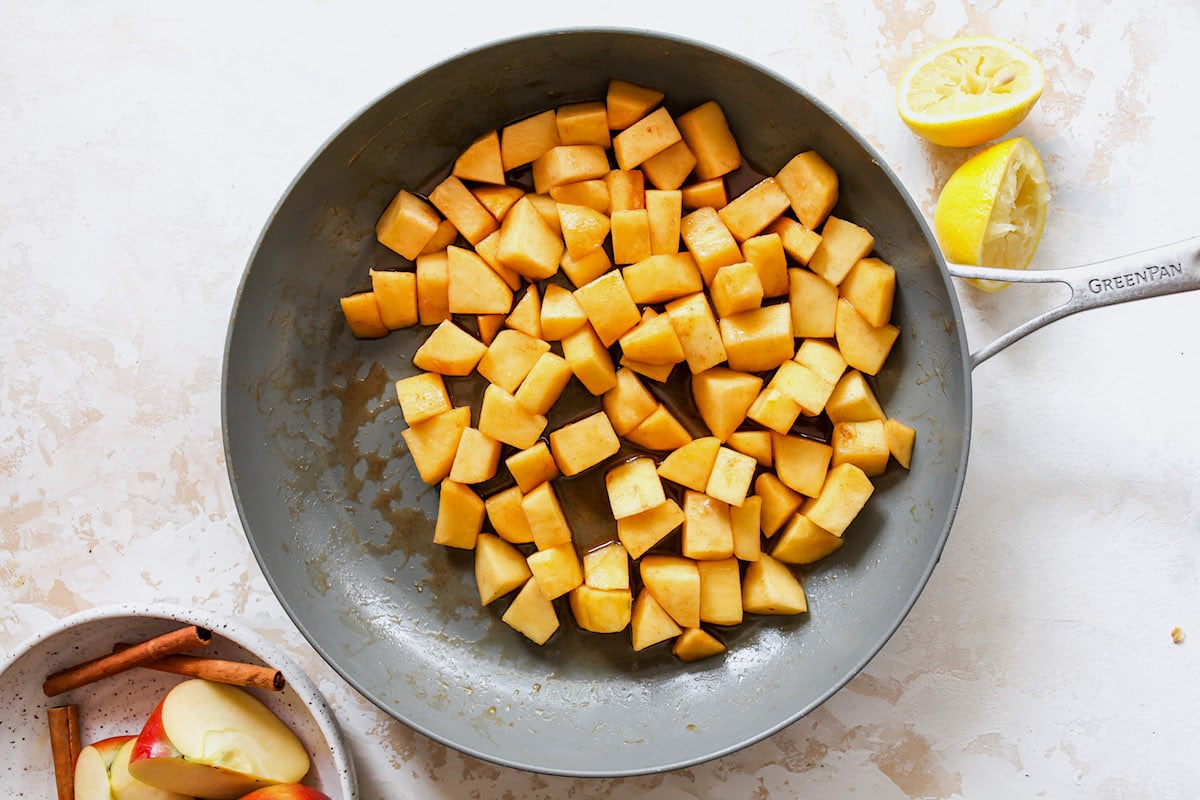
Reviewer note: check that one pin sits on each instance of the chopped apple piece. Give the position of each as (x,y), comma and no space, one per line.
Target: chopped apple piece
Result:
(544,384)
(407,224)
(649,623)
(675,584)
(775,410)
(532,614)
(852,400)
(746,521)
(720,591)
(497,200)
(505,419)
(705,194)
(584,443)
(609,307)
(568,163)
(630,235)
(814,304)
(870,286)
(811,186)
(607,567)
(695,644)
(863,444)
(507,517)
(731,475)
(736,288)
(653,341)
(532,466)
(633,487)
(396,295)
(591,194)
(601,610)
(822,358)
(626,190)
(709,241)
(422,396)
(807,388)
(801,463)
(760,339)
(769,587)
(655,372)
(561,313)
(723,396)
(509,358)
(547,522)
(664,210)
(457,204)
(707,133)
(527,242)
(660,431)
(523,142)
(642,531)
(691,464)
(460,516)
(769,258)
(363,315)
(586,269)
(756,444)
(707,529)
(583,228)
(499,568)
(663,277)
(864,346)
(443,237)
(481,160)
(583,123)
(433,288)
(842,244)
(628,402)
(526,315)
(670,168)
(803,542)
(434,442)
(753,210)
(489,325)
(843,495)
(798,241)
(779,502)
(647,137)
(900,440)
(477,458)
(473,287)
(627,103)
(696,327)
(556,570)
(589,359)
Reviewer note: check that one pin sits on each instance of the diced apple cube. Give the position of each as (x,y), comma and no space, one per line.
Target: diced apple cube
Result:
(457,204)
(660,431)
(556,570)
(489,250)
(696,327)
(532,466)
(489,325)
(709,241)
(870,286)
(707,133)
(626,190)
(807,388)
(497,200)
(633,487)
(655,372)
(499,568)
(731,475)
(775,410)
(863,444)
(609,307)
(628,102)
(705,194)
(568,163)
(695,644)
(363,315)
(561,313)
(527,242)
(507,517)
(628,402)
(900,439)
(407,224)
(769,587)
(691,464)
(589,359)
(864,346)
(601,610)
(853,400)
(662,277)
(811,186)
(591,194)
(544,384)
(814,304)
(509,358)
(675,584)
(449,350)
(720,591)
(736,288)
(642,531)
(649,623)
(526,315)
(502,417)
(801,463)
(583,123)
(584,229)
(607,567)
(803,542)
(526,140)
(664,209)
(584,443)
(760,339)
(647,137)
(460,516)
(723,397)
(630,235)
(433,288)
(586,269)
(822,358)
(756,444)
(532,614)
(670,168)
(753,210)
(422,396)
(547,522)
(396,296)
(798,241)
(481,160)
(707,529)
(746,521)
(653,341)
(473,287)
(779,502)
(842,244)
(434,442)
(477,458)
(847,489)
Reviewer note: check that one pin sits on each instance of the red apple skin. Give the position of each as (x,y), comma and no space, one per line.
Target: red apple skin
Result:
(286,791)
(152,742)
(107,748)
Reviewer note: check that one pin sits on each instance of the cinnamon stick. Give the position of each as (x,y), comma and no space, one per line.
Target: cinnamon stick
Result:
(65,744)
(178,641)
(237,673)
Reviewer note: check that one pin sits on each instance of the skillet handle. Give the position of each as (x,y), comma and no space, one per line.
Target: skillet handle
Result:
(1163,270)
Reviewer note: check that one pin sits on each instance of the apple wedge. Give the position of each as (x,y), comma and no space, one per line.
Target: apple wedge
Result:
(102,773)
(215,741)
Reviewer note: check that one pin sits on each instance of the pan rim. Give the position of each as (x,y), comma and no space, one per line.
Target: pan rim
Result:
(903,609)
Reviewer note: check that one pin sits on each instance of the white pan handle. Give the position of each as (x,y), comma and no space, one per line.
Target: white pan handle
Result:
(1150,273)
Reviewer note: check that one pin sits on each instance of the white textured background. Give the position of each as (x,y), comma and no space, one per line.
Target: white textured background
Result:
(143,145)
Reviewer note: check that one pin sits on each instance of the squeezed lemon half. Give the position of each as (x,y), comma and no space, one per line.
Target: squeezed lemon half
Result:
(992,211)
(968,91)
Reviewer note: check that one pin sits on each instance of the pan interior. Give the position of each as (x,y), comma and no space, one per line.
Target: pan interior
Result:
(342,525)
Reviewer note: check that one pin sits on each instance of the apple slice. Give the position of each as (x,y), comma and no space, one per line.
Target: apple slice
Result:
(102,773)
(287,791)
(216,741)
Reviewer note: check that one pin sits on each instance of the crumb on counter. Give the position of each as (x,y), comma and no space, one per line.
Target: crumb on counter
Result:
(1177,635)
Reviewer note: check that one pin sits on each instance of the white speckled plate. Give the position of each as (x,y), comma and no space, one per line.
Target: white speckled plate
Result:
(119,705)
